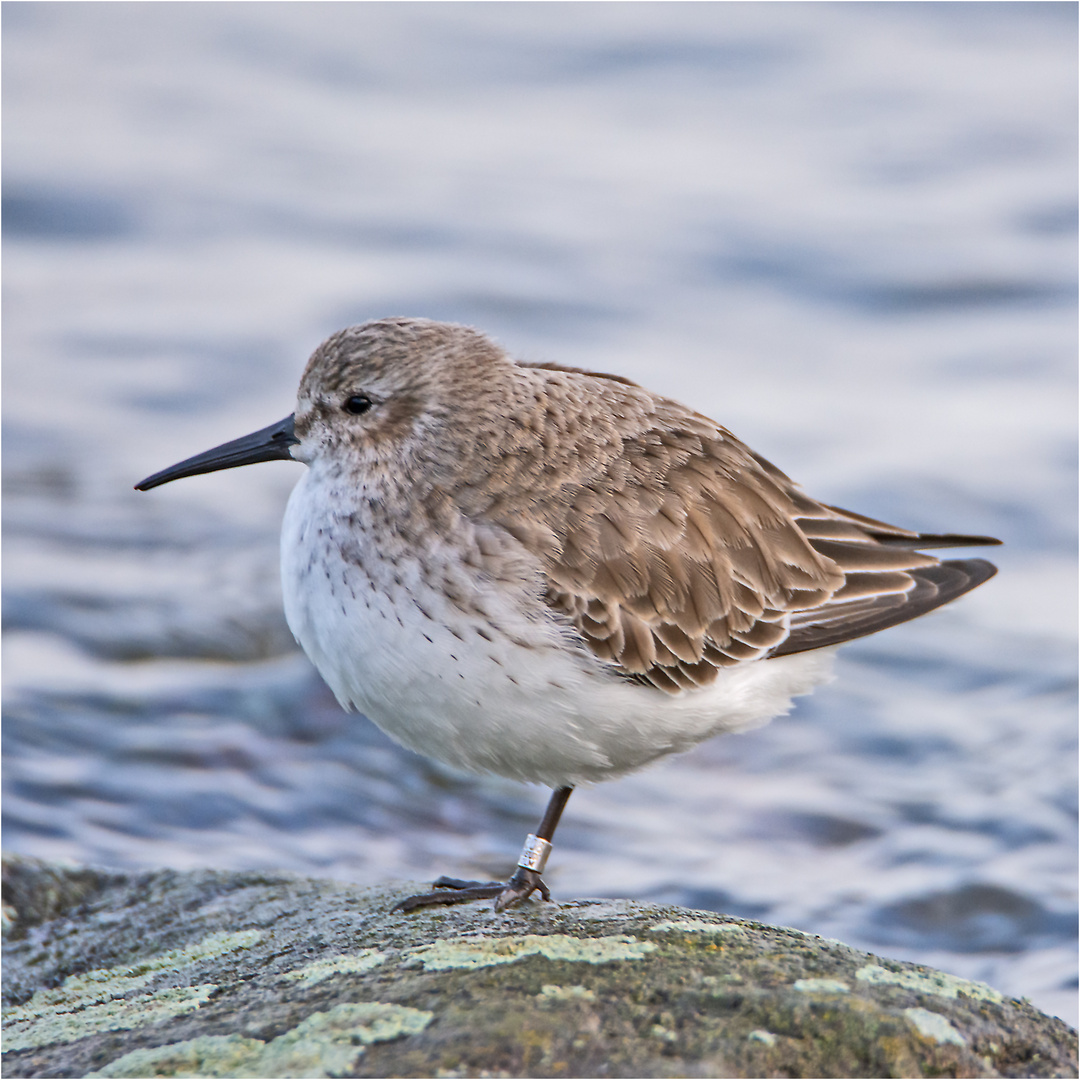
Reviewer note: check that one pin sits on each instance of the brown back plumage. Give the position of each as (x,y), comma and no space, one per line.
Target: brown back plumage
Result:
(684,552)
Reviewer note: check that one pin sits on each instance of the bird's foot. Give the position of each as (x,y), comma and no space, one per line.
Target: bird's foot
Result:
(520,887)
(455,891)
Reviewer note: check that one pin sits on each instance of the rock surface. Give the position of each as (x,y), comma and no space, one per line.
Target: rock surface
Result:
(269,975)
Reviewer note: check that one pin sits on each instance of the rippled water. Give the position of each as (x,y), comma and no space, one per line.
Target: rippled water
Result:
(845,231)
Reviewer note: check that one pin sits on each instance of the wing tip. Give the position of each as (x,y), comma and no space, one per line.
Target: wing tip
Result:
(935,586)
(937,540)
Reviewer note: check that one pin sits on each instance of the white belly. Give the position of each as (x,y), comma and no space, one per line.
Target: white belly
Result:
(481,675)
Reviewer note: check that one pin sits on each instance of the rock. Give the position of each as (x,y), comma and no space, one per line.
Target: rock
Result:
(35,892)
(269,975)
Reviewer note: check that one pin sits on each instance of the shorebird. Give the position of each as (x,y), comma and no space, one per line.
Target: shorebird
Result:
(555,575)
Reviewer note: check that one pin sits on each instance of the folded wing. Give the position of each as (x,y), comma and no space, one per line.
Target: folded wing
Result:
(686,553)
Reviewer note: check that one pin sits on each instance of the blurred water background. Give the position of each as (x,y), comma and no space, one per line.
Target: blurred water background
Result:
(845,231)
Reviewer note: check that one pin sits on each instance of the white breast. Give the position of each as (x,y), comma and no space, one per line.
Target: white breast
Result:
(474,670)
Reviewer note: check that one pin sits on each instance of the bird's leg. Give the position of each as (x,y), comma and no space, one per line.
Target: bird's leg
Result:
(525,880)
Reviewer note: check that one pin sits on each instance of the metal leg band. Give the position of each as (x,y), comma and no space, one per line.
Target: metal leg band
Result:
(534,855)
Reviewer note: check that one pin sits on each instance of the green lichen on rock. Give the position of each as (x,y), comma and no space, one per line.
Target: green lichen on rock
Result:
(98,1000)
(221,974)
(696,926)
(49,1026)
(475,953)
(934,1026)
(554,994)
(325,1044)
(937,983)
(208,1055)
(345,964)
(821,986)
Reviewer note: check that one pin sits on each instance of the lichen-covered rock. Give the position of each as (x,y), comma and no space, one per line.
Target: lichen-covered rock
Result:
(269,975)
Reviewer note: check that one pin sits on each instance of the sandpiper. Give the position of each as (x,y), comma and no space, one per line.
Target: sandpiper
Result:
(553,574)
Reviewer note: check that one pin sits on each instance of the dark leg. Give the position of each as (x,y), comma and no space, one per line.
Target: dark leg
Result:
(525,881)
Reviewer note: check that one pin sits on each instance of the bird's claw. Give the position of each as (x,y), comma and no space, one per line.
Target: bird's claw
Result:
(520,887)
(455,891)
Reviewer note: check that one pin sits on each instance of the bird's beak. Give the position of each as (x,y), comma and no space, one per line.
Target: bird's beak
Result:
(270,444)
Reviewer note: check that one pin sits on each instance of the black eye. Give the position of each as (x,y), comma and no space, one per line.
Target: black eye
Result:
(358,404)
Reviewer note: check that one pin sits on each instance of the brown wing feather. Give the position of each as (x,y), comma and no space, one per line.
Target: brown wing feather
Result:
(675,551)
(931,587)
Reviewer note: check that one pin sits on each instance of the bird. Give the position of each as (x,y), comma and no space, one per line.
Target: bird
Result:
(555,575)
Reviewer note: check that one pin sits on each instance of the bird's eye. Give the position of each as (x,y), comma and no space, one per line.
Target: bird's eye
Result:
(358,404)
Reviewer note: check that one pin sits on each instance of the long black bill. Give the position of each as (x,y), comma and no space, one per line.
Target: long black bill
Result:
(270,444)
